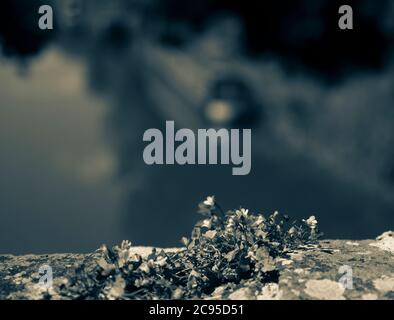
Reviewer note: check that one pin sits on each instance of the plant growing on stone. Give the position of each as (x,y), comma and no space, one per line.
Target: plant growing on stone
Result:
(224,249)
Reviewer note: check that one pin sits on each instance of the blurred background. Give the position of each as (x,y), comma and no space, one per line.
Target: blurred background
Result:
(76,100)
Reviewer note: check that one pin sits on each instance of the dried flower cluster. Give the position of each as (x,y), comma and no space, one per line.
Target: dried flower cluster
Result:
(224,249)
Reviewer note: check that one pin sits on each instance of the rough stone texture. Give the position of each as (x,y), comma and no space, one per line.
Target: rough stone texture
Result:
(309,273)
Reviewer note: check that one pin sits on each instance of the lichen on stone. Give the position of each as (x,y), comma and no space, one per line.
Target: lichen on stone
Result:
(385,241)
(324,289)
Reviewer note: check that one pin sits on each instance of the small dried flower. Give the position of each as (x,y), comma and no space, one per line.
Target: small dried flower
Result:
(185,241)
(207,206)
(210,201)
(311,222)
(260,220)
(207,223)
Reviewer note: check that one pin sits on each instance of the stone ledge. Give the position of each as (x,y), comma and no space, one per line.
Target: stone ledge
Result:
(309,273)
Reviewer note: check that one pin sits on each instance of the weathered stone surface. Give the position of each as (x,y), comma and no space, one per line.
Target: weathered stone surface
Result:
(315,274)
(309,273)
